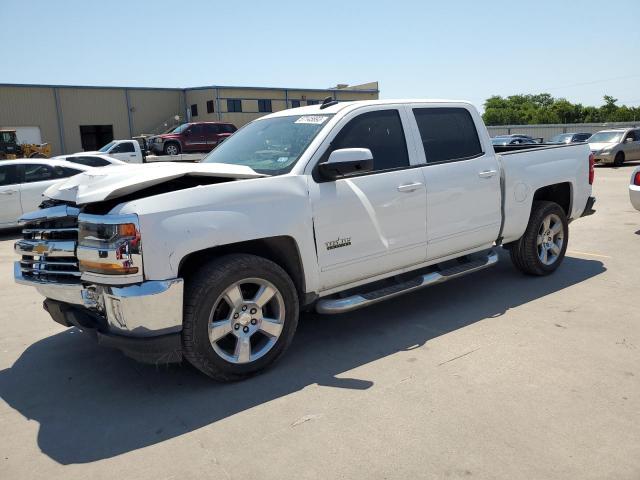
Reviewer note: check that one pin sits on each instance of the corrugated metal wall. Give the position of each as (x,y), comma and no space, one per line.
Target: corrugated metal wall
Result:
(31,107)
(60,111)
(548,131)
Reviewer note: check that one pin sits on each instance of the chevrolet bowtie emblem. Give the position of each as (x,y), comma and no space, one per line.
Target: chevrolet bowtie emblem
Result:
(40,248)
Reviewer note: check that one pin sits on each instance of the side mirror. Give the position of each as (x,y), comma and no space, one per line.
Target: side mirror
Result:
(187,133)
(628,140)
(346,161)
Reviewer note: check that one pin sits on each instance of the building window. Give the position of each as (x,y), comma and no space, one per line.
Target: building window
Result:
(209,106)
(313,102)
(194,110)
(295,103)
(264,106)
(234,105)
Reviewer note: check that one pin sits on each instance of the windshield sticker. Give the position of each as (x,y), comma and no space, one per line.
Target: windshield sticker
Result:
(282,159)
(312,119)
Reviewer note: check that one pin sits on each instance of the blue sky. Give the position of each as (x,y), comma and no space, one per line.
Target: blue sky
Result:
(415,49)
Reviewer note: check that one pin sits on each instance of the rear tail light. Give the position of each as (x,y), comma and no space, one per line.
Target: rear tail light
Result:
(636,179)
(592,172)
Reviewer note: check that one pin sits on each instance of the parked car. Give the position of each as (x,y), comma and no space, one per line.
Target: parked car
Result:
(570,138)
(512,140)
(22,182)
(128,151)
(615,146)
(191,137)
(634,189)
(90,160)
(329,207)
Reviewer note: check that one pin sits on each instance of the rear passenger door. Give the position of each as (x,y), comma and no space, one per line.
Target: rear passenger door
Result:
(463,181)
(212,132)
(372,223)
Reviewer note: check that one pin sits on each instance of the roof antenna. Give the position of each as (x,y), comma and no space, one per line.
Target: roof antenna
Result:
(327,102)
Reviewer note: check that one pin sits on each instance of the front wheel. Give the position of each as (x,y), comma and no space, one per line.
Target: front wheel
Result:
(543,246)
(241,312)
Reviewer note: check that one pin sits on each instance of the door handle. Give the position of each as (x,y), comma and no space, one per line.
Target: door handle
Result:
(8,192)
(409,187)
(487,173)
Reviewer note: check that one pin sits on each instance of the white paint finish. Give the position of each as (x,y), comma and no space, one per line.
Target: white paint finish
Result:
(114,151)
(537,168)
(386,227)
(387,222)
(25,197)
(116,181)
(181,222)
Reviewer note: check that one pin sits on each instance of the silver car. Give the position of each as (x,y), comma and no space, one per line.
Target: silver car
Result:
(615,146)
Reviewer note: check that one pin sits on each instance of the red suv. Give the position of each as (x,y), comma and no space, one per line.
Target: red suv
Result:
(191,137)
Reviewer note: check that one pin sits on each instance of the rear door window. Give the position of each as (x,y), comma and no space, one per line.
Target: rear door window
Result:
(379,131)
(447,134)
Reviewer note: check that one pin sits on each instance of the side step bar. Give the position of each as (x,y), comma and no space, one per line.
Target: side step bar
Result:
(359,300)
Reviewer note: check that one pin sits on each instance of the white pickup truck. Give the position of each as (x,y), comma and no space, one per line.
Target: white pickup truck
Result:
(128,151)
(329,207)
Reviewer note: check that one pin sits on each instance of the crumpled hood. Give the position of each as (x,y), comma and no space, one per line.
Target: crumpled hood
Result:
(105,183)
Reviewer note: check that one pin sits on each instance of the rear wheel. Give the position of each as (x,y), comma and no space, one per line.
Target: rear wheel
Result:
(619,159)
(241,312)
(543,246)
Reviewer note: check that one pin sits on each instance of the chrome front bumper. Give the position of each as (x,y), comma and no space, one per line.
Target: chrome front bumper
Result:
(147,309)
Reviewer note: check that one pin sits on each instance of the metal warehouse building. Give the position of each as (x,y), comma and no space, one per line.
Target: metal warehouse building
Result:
(75,118)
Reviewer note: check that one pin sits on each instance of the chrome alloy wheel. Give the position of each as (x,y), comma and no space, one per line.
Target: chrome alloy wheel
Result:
(246,320)
(550,239)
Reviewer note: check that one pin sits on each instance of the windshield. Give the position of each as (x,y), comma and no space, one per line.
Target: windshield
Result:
(271,146)
(562,138)
(107,147)
(180,128)
(606,137)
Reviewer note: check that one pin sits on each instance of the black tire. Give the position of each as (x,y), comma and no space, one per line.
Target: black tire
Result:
(524,252)
(170,146)
(201,292)
(618,160)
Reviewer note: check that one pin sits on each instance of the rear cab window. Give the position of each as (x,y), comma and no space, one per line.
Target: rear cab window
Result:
(447,134)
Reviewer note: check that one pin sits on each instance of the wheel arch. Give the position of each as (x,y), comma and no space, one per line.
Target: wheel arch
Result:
(282,250)
(560,193)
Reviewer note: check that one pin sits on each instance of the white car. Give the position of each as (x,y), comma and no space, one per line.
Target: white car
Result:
(90,159)
(634,189)
(23,181)
(329,207)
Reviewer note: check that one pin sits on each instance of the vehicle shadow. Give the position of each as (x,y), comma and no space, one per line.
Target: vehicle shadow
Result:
(93,403)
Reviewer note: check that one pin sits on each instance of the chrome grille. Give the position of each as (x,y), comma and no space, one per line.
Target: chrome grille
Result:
(48,246)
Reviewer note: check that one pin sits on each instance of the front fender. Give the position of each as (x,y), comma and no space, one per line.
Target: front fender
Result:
(178,223)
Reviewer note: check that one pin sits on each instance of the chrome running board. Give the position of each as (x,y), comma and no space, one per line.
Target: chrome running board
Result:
(359,300)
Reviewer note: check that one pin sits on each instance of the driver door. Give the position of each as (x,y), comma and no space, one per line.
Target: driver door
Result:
(375,222)
(195,138)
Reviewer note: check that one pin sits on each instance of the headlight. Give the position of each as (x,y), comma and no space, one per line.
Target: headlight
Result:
(110,245)
(157,140)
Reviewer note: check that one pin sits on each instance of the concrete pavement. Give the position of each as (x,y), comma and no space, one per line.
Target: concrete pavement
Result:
(494,375)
